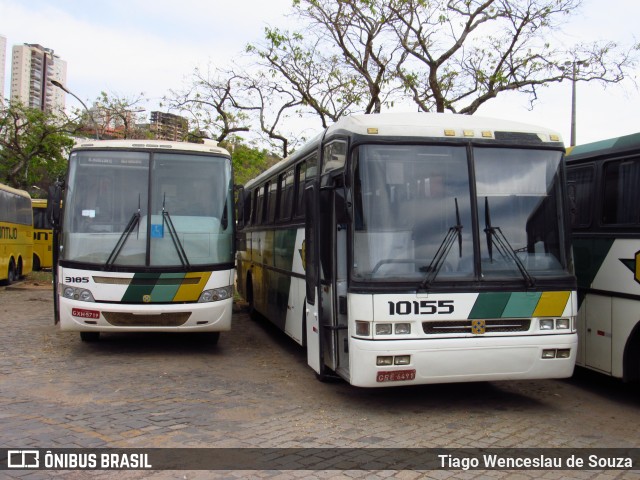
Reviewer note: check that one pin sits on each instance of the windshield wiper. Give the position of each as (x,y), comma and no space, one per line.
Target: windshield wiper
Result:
(443,250)
(174,235)
(504,248)
(133,222)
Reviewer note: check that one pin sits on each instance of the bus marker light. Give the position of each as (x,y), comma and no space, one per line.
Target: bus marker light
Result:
(563,353)
(387,360)
(402,360)
(550,353)
(363,329)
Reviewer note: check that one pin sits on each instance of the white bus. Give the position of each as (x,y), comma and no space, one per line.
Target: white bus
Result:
(406,249)
(604,193)
(146,240)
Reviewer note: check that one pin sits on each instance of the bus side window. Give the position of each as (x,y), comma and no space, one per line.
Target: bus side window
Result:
(301,170)
(621,194)
(580,191)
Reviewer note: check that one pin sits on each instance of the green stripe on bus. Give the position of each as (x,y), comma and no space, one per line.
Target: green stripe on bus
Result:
(141,284)
(166,288)
(490,305)
(521,304)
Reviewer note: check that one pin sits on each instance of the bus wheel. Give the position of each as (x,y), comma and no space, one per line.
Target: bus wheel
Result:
(19,270)
(89,336)
(250,301)
(212,337)
(36,263)
(11,274)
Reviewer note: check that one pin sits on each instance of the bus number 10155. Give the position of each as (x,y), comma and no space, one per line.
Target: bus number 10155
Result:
(423,307)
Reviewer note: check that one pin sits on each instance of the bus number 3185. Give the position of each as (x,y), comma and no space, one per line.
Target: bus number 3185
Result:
(423,307)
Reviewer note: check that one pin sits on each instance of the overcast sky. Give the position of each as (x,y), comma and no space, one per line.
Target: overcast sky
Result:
(152,46)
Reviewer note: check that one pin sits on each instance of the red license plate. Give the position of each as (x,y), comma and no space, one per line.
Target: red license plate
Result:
(82,313)
(396,376)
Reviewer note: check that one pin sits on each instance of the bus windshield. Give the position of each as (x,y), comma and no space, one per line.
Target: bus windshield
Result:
(413,214)
(178,202)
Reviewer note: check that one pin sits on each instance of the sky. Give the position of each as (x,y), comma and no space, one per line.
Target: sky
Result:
(153,46)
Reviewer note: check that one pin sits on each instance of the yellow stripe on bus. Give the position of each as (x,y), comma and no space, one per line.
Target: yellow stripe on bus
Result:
(551,304)
(190,292)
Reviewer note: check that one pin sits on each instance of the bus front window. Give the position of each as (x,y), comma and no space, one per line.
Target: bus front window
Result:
(519,202)
(407,201)
(95,216)
(193,195)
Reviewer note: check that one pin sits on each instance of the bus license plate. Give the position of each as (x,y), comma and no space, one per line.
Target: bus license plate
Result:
(396,376)
(82,313)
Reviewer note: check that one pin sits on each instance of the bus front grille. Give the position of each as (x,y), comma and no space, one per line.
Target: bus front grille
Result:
(500,325)
(123,319)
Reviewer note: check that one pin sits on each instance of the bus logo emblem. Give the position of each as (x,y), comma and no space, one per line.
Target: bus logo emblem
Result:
(146,298)
(478,327)
(633,264)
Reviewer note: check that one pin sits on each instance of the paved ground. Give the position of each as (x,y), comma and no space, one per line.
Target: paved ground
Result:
(254,390)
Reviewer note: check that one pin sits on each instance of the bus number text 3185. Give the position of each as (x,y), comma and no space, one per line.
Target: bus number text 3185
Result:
(422,307)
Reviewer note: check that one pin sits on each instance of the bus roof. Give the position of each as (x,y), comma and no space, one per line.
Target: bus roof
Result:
(15,191)
(417,125)
(209,146)
(432,125)
(604,147)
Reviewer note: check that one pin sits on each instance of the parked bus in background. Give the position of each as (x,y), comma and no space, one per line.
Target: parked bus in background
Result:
(604,194)
(42,235)
(405,249)
(16,234)
(146,239)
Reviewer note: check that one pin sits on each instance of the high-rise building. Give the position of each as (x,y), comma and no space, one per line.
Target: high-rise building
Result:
(167,126)
(3,62)
(32,69)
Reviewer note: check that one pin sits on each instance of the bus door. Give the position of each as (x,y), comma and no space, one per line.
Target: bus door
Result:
(332,250)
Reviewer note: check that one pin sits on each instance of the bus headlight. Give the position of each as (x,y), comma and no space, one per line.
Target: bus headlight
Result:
(383,329)
(563,324)
(403,328)
(216,294)
(546,324)
(81,294)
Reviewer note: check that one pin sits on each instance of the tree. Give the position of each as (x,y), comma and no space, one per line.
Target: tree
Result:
(224,103)
(116,116)
(447,55)
(459,54)
(209,101)
(33,146)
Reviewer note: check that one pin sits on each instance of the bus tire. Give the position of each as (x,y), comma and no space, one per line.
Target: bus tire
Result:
(89,337)
(11,274)
(19,270)
(631,365)
(212,337)
(253,314)
(36,263)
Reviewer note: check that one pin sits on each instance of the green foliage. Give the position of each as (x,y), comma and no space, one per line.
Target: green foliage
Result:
(248,161)
(33,147)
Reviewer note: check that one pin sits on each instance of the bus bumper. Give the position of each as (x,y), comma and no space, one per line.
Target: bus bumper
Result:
(185,317)
(461,360)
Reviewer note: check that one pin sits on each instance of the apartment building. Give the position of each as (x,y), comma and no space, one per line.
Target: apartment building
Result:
(32,68)
(3,62)
(167,126)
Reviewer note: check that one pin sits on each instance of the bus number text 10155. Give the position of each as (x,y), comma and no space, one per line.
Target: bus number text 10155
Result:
(422,307)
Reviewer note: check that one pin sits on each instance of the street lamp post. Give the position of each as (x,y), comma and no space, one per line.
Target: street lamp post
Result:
(575,64)
(56,83)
